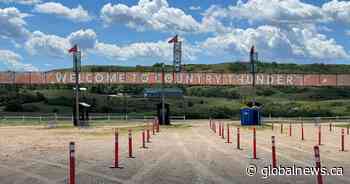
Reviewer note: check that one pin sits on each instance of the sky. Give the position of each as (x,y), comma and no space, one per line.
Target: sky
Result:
(35,35)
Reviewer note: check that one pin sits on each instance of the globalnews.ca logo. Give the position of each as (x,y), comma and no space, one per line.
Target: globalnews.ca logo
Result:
(294,170)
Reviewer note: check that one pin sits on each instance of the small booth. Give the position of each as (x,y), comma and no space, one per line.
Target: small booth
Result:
(157,94)
(166,114)
(84,110)
(251,114)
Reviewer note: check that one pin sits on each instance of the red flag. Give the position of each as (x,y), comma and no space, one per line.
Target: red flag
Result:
(73,49)
(173,40)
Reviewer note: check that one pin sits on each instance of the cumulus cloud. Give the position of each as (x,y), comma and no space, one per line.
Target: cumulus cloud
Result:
(24,2)
(12,24)
(150,15)
(211,21)
(50,45)
(194,8)
(309,43)
(78,14)
(268,39)
(160,50)
(273,42)
(286,11)
(13,61)
(85,38)
(347,32)
(55,46)
(338,10)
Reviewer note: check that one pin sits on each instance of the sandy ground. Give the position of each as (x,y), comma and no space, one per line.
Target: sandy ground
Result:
(192,154)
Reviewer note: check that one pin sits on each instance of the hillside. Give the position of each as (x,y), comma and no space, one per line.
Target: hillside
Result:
(199,101)
(239,67)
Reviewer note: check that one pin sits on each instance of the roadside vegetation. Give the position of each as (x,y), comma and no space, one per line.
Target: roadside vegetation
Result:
(198,102)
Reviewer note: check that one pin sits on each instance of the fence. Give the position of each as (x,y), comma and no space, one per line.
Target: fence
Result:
(96,117)
(336,119)
(42,118)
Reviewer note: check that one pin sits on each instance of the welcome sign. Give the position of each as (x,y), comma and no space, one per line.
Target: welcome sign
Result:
(185,78)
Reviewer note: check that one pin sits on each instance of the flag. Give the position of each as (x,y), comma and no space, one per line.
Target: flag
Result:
(173,40)
(73,49)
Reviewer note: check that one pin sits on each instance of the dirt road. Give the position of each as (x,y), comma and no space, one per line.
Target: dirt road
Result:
(190,154)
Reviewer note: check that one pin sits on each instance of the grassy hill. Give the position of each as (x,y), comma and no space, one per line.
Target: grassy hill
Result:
(199,101)
(240,67)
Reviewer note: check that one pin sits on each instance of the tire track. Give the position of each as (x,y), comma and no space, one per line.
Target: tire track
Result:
(294,160)
(200,168)
(78,170)
(32,175)
(139,175)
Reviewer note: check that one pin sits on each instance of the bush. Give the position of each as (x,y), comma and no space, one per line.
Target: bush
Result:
(105,109)
(40,97)
(31,108)
(14,106)
(222,92)
(265,92)
(61,101)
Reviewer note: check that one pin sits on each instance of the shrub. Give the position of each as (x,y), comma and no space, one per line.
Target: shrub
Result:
(61,101)
(14,106)
(31,108)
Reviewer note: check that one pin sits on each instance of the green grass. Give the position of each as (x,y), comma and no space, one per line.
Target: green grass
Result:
(278,101)
(343,125)
(258,127)
(109,131)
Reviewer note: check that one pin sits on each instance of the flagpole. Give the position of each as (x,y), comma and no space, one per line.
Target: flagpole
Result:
(252,65)
(76,89)
(163,99)
(76,63)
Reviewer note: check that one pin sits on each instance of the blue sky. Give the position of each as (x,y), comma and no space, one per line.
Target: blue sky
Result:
(35,34)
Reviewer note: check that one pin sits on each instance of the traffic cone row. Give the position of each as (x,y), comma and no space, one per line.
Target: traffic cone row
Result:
(319,178)
(145,137)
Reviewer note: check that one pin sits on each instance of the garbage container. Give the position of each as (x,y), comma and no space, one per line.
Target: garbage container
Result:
(250,116)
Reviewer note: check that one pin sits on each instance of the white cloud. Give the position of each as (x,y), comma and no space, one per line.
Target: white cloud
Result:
(150,15)
(160,50)
(347,32)
(315,45)
(338,10)
(286,11)
(273,12)
(24,2)
(13,61)
(49,45)
(86,39)
(273,42)
(55,46)
(194,8)
(211,21)
(266,38)
(12,24)
(78,14)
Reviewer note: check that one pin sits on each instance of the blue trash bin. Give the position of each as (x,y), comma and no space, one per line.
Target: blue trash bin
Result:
(250,116)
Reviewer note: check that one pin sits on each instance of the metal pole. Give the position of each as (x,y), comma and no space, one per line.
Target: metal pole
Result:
(163,99)
(76,88)
(252,64)
(124,99)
